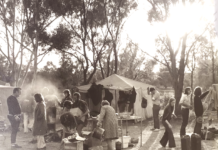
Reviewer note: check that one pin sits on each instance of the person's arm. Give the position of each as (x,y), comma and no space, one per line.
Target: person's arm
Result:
(101,116)
(10,106)
(204,94)
(167,122)
(85,109)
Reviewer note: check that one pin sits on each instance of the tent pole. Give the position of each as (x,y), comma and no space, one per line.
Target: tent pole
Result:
(116,100)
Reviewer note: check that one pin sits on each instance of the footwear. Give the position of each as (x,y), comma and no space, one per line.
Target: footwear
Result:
(162,145)
(152,129)
(44,148)
(15,146)
(156,130)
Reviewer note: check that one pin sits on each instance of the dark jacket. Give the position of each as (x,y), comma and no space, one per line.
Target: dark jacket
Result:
(64,99)
(13,105)
(40,124)
(198,104)
(167,113)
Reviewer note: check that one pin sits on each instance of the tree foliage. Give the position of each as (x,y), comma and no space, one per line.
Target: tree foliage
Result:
(173,55)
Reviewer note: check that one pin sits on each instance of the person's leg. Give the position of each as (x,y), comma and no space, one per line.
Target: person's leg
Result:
(170,137)
(25,122)
(156,110)
(164,139)
(14,130)
(31,121)
(109,144)
(198,126)
(79,129)
(185,116)
(153,109)
(158,120)
(40,141)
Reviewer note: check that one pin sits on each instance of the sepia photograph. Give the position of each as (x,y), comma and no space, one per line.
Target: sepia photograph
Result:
(108,74)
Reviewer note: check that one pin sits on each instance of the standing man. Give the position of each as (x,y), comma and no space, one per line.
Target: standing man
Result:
(14,115)
(185,103)
(155,96)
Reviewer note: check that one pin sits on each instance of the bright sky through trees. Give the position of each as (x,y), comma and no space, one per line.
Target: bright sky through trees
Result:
(142,32)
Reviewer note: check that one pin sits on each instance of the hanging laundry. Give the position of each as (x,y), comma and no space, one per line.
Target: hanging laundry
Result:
(133,96)
(95,93)
(108,96)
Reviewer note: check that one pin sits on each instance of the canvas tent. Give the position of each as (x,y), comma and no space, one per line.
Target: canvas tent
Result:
(5,92)
(115,83)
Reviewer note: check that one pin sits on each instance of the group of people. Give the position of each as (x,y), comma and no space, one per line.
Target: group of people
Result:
(186,104)
(39,125)
(38,122)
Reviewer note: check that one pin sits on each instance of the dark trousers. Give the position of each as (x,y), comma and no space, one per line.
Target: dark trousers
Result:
(14,129)
(185,116)
(198,126)
(168,136)
(156,109)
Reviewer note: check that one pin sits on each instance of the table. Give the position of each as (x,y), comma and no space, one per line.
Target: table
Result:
(128,119)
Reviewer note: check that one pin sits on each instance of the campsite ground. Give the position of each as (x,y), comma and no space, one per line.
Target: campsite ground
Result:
(150,139)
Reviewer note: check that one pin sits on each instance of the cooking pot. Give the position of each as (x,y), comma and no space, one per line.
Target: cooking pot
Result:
(98,133)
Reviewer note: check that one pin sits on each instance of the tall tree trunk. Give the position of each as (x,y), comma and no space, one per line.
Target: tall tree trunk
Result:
(213,66)
(115,58)
(35,43)
(178,94)
(13,50)
(108,63)
(26,71)
(102,70)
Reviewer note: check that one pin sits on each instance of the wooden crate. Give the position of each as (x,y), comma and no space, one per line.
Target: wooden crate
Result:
(78,145)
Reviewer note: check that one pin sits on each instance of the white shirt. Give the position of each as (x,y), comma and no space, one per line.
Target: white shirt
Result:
(156,98)
(185,99)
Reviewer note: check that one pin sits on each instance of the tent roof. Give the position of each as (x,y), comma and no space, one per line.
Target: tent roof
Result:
(4,86)
(116,82)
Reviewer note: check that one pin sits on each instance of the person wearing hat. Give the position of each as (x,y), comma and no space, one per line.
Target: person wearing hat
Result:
(108,120)
(155,96)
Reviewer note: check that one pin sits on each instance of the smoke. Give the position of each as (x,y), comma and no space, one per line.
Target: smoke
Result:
(42,86)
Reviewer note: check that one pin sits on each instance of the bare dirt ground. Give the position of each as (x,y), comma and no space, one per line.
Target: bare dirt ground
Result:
(150,139)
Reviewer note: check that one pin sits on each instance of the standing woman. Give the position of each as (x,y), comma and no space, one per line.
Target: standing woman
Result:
(40,124)
(168,134)
(110,124)
(199,108)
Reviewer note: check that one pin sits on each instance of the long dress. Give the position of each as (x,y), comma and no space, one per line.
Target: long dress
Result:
(40,124)
(109,121)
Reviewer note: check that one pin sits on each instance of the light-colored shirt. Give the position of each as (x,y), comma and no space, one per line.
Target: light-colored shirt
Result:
(185,99)
(156,98)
